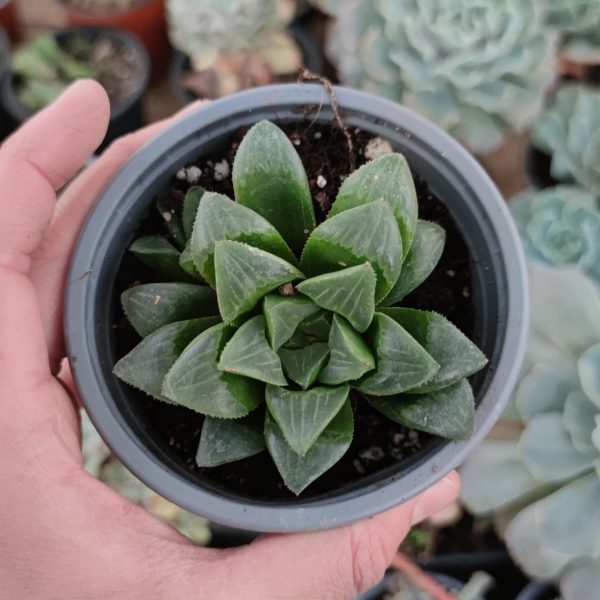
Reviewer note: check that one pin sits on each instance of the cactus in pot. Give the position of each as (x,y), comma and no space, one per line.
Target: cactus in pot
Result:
(479,68)
(268,322)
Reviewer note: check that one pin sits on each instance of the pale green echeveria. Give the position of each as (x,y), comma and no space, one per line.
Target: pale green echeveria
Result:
(569,131)
(205,29)
(479,68)
(560,226)
(578,23)
(542,483)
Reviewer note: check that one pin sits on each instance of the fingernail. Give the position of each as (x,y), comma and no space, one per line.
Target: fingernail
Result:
(435,498)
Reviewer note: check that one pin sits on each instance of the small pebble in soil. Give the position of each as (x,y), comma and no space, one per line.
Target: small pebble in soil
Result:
(222,170)
(321,181)
(377,147)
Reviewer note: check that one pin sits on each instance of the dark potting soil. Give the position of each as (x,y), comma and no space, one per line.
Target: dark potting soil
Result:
(378,443)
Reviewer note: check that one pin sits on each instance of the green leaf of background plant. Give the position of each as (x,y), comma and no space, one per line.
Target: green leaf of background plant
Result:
(146,366)
(302,365)
(248,353)
(402,363)
(194,381)
(159,254)
(385,178)
(350,357)
(220,218)
(283,315)
(349,292)
(422,258)
(172,221)
(191,202)
(449,413)
(246,274)
(456,354)
(367,233)
(303,415)
(227,440)
(269,178)
(153,305)
(300,471)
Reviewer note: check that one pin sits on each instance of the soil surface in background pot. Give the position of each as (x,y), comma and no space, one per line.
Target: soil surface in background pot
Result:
(378,442)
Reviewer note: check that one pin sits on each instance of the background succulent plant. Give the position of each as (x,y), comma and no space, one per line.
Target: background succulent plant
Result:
(295,336)
(479,68)
(541,481)
(560,226)
(569,131)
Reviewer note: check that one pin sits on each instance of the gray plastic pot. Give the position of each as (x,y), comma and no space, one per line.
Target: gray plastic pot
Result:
(498,281)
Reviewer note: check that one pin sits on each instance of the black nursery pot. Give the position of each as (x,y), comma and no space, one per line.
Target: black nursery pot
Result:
(499,293)
(313,60)
(125,117)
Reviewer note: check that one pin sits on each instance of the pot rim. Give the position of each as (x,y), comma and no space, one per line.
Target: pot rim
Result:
(317,513)
(20,113)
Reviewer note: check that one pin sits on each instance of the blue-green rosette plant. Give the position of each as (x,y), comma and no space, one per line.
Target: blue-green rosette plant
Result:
(296,315)
(540,477)
(569,132)
(560,226)
(479,68)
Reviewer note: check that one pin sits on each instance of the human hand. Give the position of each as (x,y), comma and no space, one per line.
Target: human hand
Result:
(63,534)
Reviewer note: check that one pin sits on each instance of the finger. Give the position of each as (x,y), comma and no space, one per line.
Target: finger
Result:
(51,261)
(39,159)
(337,564)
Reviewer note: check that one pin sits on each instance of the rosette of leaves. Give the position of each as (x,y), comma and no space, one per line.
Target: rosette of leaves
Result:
(479,68)
(560,226)
(569,131)
(302,314)
(539,476)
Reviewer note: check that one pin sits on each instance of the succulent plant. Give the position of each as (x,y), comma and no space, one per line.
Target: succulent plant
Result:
(560,226)
(569,131)
(305,311)
(479,68)
(540,479)
(235,40)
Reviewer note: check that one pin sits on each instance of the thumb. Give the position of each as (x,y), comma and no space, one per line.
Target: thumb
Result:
(331,565)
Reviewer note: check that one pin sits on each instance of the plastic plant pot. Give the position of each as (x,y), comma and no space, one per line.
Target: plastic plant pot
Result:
(499,291)
(537,590)
(146,20)
(180,62)
(382,589)
(124,117)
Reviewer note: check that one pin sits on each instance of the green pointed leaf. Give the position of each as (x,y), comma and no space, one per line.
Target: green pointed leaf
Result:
(402,363)
(349,292)
(195,382)
(367,233)
(302,365)
(303,415)
(423,256)
(316,327)
(186,262)
(298,340)
(449,413)
(456,354)
(350,357)
(269,178)
(248,353)
(283,315)
(300,471)
(246,274)
(191,202)
(171,216)
(146,366)
(153,305)
(220,218)
(159,254)
(226,440)
(385,178)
